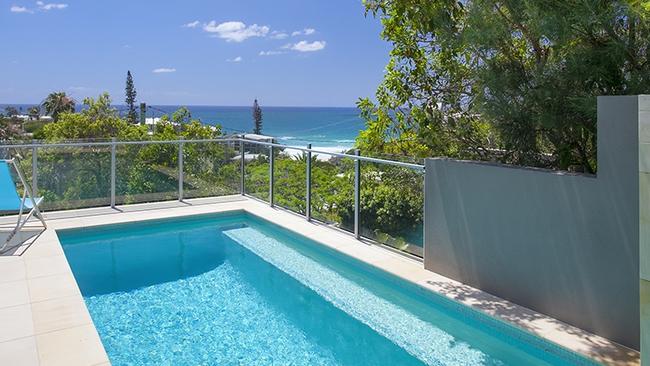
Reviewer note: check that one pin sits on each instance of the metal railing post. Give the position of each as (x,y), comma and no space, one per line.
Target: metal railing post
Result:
(241,168)
(357,193)
(35,171)
(113,171)
(424,210)
(180,170)
(271,175)
(308,188)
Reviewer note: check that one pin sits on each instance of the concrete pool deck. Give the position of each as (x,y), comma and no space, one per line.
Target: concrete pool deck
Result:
(44,320)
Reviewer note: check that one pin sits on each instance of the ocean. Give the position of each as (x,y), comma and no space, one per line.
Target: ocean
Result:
(332,128)
(329,128)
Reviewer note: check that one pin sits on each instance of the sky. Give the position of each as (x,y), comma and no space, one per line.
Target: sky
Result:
(193,52)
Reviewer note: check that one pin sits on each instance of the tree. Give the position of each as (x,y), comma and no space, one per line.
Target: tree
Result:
(11,111)
(130,98)
(515,81)
(99,109)
(257,118)
(57,103)
(182,116)
(34,112)
(98,120)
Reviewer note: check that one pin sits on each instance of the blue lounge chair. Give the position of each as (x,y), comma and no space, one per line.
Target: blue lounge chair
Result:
(11,202)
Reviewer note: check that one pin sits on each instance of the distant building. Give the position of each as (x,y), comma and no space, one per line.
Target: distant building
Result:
(152,122)
(255,137)
(25,117)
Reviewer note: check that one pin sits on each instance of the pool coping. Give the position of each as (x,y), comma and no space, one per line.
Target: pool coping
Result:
(49,324)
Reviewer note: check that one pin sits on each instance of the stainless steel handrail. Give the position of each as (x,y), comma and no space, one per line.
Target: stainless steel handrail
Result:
(237,139)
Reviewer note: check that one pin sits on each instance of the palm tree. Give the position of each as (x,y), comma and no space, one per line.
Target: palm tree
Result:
(57,103)
(302,158)
(34,112)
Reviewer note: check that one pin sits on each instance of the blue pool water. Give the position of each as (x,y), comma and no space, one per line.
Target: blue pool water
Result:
(232,289)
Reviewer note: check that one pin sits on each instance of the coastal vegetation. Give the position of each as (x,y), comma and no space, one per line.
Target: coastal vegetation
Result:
(9,127)
(16,125)
(508,81)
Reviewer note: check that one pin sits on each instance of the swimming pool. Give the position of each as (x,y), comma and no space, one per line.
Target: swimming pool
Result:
(233,289)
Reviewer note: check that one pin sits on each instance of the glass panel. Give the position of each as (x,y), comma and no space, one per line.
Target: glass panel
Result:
(211,169)
(74,177)
(332,199)
(392,205)
(291,180)
(146,173)
(256,181)
(24,156)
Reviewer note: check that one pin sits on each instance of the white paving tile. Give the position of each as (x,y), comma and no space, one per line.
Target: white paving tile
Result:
(58,314)
(46,266)
(13,293)
(52,287)
(19,352)
(16,322)
(73,346)
(12,269)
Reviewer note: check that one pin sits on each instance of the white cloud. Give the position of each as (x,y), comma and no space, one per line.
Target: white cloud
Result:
(193,24)
(304,32)
(270,53)
(235,31)
(40,6)
(279,35)
(236,59)
(304,46)
(162,70)
(19,9)
(45,7)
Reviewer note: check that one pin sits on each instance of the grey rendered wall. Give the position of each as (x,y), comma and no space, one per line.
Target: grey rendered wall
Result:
(564,245)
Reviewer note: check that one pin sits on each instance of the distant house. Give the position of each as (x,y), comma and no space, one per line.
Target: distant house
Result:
(251,151)
(152,122)
(255,137)
(26,117)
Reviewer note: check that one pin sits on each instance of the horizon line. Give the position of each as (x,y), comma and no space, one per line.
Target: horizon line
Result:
(200,105)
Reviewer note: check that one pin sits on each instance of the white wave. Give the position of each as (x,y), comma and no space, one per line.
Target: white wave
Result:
(319,156)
